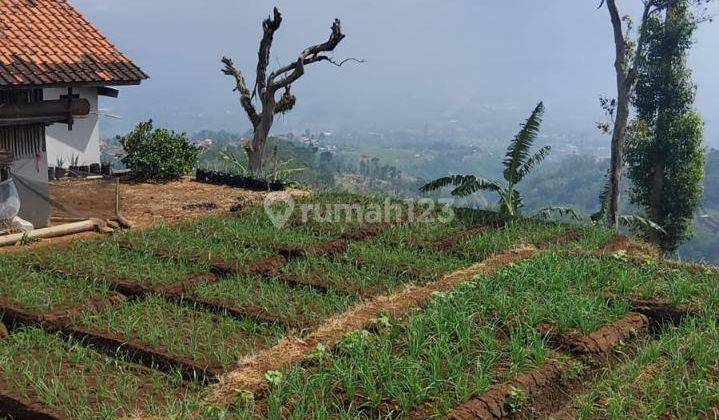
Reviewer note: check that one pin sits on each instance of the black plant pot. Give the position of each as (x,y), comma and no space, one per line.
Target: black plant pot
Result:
(73,171)
(95,169)
(106,169)
(201,175)
(237,181)
(277,186)
(60,173)
(84,169)
(260,185)
(50,173)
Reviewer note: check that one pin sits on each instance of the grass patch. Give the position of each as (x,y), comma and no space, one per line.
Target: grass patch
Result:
(299,304)
(109,261)
(82,384)
(210,340)
(44,291)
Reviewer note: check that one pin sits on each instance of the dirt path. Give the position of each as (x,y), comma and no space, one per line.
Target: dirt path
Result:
(250,373)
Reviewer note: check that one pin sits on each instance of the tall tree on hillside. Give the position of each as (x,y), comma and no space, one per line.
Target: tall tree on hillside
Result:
(626,65)
(664,149)
(268,85)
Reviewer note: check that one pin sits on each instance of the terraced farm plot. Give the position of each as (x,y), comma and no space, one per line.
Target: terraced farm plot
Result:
(341,275)
(208,340)
(44,292)
(109,261)
(531,338)
(483,333)
(674,376)
(400,265)
(73,381)
(273,298)
(231,238)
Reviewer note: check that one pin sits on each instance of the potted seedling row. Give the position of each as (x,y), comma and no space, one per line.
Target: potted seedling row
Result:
(237,181)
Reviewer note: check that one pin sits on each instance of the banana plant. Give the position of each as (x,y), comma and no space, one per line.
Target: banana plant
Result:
(518,162)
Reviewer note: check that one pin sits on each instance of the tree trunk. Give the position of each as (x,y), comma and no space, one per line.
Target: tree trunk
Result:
(256,153)
(617,158)
(657,197)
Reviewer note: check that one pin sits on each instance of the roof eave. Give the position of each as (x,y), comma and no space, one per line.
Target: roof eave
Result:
(75,84)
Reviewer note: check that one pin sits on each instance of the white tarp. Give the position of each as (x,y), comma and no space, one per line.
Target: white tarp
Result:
(9,201)
(9,208)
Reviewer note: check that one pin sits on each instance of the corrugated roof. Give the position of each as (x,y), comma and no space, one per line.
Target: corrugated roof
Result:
(47,42)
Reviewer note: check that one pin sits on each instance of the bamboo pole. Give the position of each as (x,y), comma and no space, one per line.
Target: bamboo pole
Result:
(51,232)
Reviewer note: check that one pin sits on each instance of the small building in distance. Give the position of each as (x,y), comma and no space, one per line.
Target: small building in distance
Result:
(54,65)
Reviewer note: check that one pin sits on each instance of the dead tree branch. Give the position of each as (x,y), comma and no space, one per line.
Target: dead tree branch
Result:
(269,27)
(309,55)
(266,86)
(241,87)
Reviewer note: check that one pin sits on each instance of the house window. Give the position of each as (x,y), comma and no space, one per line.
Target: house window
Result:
(25,142)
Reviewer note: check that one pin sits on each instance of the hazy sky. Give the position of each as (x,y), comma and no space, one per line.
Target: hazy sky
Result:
(426,60)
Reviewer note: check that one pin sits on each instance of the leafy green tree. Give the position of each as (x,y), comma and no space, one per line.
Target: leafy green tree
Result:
(664,150)
(518,162)
(158,154)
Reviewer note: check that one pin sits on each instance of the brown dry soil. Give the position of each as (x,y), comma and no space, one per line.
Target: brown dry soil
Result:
(495,403)
(249,373)
(605,338)
(147,204)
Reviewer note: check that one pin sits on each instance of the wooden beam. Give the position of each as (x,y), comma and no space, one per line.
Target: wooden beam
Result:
(45,109)
(51,232)
(109,92)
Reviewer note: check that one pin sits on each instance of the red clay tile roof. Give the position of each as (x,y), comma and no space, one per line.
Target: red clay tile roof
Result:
(47,42)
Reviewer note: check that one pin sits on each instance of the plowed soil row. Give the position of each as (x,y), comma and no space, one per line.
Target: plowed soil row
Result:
(266,267)
(322,284)
(221,307)
(602,340)
(364,232)
(219,266)
(552,392)
(249,374)
(179,292)
(112,346)
(548,386)
(569,236)
(331,248)
(452,241)
(17,407)
(497,403)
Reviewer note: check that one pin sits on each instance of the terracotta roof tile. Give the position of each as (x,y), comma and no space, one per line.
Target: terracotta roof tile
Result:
(47,42)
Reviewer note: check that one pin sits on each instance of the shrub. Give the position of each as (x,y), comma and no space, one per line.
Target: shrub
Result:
(158,154)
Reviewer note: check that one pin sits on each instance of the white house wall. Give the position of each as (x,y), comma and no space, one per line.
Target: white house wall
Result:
(83,140)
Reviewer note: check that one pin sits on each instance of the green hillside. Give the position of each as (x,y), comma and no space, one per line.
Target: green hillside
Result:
(477,316)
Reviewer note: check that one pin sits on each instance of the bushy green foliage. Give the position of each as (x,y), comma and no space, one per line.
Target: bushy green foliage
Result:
(664,148)
(158,154)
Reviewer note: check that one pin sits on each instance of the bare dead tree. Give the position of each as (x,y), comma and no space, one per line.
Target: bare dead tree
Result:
(628,54)
(266,86)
